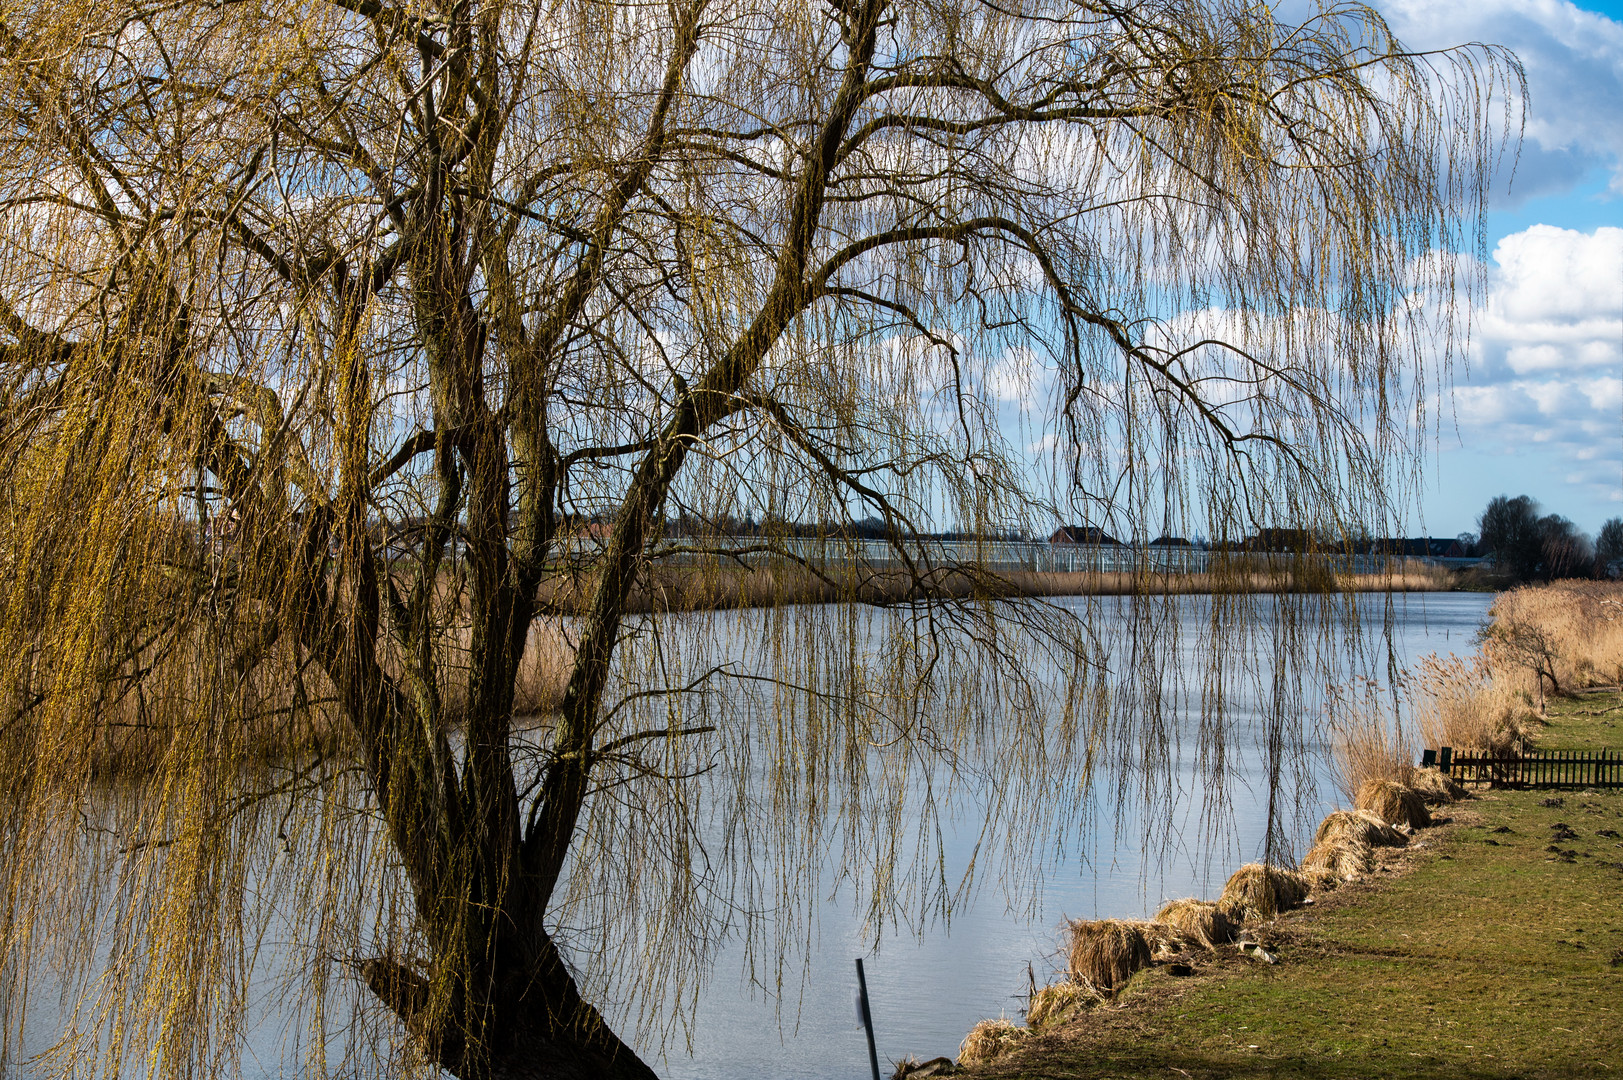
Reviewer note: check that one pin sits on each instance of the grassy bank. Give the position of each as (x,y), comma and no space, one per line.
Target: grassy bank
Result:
(1477,952)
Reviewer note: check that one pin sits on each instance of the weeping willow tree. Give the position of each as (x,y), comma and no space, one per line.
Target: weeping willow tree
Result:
(373,369)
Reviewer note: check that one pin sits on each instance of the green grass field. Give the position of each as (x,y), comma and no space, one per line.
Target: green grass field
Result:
(1479,953)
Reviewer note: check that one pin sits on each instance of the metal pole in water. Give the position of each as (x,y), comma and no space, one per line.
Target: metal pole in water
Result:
(867,1018)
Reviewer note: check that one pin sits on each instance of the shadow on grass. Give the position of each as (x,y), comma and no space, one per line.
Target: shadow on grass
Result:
(1164,1062)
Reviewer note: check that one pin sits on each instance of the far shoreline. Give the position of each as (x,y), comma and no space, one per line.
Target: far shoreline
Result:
(668,589)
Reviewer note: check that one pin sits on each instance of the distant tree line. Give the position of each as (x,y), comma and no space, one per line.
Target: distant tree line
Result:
(1528,546)
(774,527)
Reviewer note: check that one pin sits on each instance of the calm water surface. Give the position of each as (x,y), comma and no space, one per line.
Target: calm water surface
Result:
(930,984)
(927,993)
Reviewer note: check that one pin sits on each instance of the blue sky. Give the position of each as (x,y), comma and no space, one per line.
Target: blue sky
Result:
(1538,407)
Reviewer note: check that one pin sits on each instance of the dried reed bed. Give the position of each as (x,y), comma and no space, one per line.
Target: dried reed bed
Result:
(543,673)
(1360,826)
(1421,579)
(274,708)
(729,586)
(1365,743)
(1466,704)
(277,708)
(1394,803)
(1200,921)
(1566,636)
(1414,576)
(1258,891)
(1104,953)
(1541,639)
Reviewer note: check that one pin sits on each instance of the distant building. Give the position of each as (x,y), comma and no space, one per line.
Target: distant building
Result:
(1170,542)
(1295,541)
(1082,534)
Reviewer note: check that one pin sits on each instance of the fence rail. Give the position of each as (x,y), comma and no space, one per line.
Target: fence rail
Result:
(1532,768)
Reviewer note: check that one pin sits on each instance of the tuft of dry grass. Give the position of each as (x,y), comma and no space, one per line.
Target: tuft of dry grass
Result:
(1360,826)
(1394,803)
(1061,1001)
(1200,921)
(1338,860)
(1164,939)
(1259,891)
(1366,742)
(1104,953)
(1437,789)
(1319,880)
(988,1040)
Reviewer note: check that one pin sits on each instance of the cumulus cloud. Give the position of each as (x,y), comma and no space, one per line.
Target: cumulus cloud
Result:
(1559,281)
(1574,64)
(1546,358)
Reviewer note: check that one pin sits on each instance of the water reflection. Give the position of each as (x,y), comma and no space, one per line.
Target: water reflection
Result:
(927,993)
(927,989)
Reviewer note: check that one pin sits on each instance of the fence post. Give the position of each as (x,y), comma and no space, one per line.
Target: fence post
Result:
(1445,759)
(1428,758)
(867,1018)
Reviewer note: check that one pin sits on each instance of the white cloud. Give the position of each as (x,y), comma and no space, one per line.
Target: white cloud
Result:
(1551,276)
(1554,307)
(1574,64)
(1546,361)
(1019,377)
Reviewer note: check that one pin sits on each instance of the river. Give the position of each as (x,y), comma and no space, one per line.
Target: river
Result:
(927,991)
(929,982)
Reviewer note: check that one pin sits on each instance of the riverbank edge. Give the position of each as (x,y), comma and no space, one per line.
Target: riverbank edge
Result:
(1406,973)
